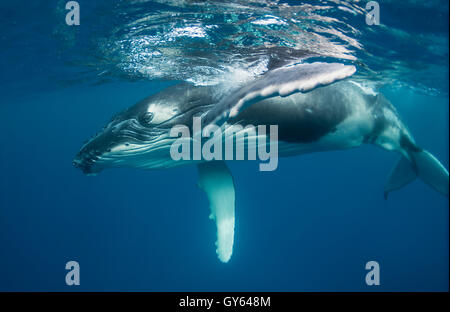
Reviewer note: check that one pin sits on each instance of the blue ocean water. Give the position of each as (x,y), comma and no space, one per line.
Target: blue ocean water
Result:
(310,225)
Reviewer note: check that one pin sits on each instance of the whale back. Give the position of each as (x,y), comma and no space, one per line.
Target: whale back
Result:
(308,117)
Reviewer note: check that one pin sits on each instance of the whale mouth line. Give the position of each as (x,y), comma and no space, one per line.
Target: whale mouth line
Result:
(91,163)
(85,162)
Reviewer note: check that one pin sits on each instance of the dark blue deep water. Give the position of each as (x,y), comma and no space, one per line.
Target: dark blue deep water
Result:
(310,225)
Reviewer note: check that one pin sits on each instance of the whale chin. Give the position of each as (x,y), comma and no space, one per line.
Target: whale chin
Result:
(92,161)
(87,165)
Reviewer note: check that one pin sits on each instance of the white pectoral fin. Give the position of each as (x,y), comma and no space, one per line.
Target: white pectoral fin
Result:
(216,181)
(282,81)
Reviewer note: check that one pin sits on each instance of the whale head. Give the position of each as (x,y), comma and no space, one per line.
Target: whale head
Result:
(139,136)
(127,140)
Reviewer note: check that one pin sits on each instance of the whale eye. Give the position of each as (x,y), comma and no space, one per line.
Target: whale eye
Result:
(147,118)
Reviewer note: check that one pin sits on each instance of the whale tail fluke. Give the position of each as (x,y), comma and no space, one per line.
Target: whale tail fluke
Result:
(422,164)
(402,174)
(431,171)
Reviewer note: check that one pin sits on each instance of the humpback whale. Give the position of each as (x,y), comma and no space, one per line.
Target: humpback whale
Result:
(315,106)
